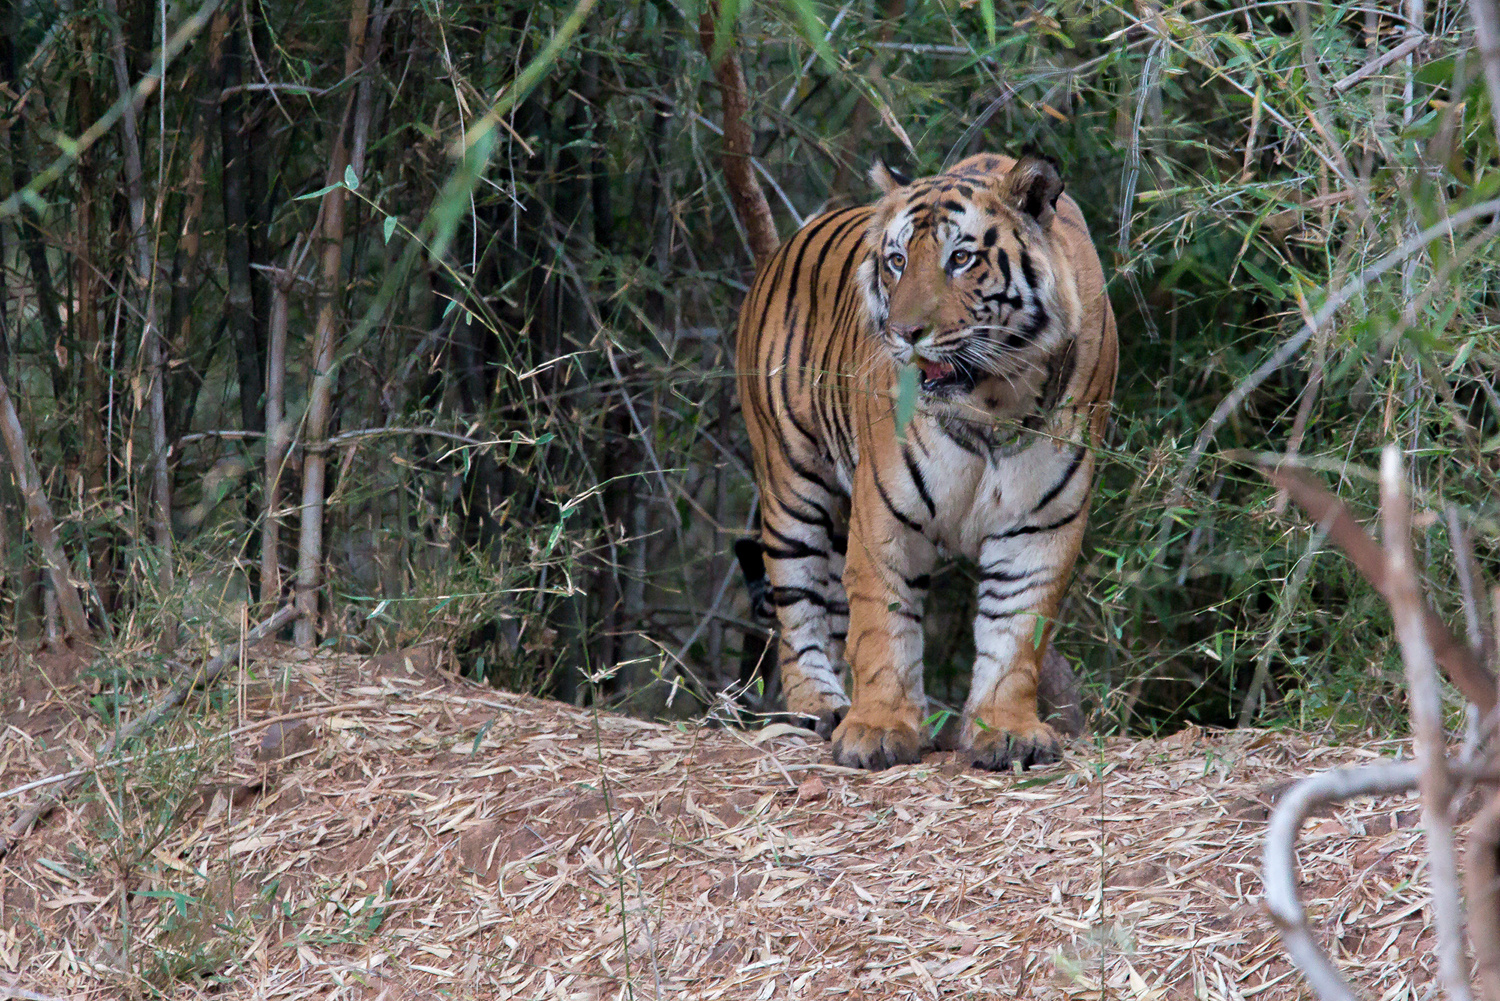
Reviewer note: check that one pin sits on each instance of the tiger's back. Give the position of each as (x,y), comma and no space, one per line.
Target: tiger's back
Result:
(986,280)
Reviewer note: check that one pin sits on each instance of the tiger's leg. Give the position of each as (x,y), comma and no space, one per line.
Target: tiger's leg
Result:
(1023,574)
(796,540)
(886,576)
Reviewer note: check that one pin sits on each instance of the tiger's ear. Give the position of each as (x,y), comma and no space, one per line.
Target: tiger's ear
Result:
(886,179)
(1033,186)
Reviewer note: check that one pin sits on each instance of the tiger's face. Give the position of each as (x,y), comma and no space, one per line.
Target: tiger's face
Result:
(958,277)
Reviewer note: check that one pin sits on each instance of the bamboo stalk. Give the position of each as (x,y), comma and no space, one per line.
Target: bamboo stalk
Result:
(151,336)
(324,376)
(276,427)
(43,527)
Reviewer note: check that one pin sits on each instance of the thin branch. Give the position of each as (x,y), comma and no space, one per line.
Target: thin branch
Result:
(1287,350)
(1425,697)
(1279,864)
(1455,658)
(136,100)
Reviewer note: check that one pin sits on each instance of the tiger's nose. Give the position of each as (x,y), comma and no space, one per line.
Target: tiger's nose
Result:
(909,332)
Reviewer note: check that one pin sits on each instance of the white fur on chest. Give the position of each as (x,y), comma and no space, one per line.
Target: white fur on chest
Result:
(981,495)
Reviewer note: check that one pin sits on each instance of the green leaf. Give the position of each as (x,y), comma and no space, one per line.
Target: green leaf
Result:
(816,32)
(317,194)
(388,227)
(724,27)
(1039,631)
(351,179)
(906,397)
(987,15)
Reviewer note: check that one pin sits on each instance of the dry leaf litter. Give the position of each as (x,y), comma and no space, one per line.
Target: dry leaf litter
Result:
(397,832)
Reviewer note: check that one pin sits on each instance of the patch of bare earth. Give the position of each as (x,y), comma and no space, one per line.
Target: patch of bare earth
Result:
(443,839)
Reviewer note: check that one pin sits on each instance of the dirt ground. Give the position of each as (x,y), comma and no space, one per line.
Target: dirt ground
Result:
(394,832)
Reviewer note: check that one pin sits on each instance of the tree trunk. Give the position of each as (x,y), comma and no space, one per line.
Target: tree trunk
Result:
(320,394)
(43,527)
(145,279)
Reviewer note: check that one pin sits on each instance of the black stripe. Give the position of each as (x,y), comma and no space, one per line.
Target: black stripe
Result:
(921,484)
(1012,593)
(908,522)
(1036,529)
(1005,576)
(920,582)
(785,597)
(1067,477)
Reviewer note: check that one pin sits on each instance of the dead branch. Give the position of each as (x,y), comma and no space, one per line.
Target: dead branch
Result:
(43,527)
(1425,698)
(1482,885)
(176,696)
(744,190)
(1279,864)
(1455,658)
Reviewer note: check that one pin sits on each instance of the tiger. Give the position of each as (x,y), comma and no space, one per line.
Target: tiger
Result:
(983,285)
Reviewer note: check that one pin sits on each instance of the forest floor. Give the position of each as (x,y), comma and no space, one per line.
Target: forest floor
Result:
(408,834)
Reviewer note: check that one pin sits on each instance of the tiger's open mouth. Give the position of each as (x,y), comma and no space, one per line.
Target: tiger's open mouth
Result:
(938,376)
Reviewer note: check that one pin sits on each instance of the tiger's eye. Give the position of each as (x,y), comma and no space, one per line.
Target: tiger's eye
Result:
(960,258)
(895,261)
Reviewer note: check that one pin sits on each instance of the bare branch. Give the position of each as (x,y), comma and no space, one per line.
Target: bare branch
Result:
(1279,865)
(1455,658)
(43,527)
(1425,697)
(1482,884)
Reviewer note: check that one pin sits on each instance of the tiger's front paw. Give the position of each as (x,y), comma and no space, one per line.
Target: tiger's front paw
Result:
(1031,743)
(877,743)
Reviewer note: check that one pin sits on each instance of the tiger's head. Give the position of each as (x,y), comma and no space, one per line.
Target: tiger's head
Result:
(959,275)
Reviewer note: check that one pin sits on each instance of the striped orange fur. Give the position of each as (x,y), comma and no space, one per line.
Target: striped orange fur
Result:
(985,279)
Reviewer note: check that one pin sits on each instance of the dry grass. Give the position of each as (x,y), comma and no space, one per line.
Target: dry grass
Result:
(375,853)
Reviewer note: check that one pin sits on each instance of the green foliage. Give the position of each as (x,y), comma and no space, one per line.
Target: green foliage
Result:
(537,453)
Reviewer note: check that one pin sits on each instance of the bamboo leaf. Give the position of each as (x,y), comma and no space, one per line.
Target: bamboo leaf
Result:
(351,179)
(388,227)
(906,397)
(987,15)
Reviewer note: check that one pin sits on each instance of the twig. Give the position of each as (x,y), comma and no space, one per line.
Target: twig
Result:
(1379,63)
(1455,658)
(1482,885)
(1279,864)
(1284,353)
(147,721)
(1425,697)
